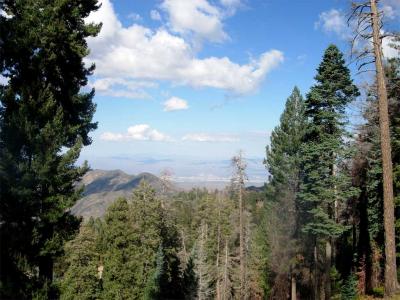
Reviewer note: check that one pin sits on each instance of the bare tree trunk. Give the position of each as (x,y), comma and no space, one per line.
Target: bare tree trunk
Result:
(316,281)
(294,288)
(391,283)
(218,284)
(239,181)
(241,246)
(328,264)
(225,285)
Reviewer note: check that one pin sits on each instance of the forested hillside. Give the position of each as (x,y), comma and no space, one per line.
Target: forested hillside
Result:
(325,225)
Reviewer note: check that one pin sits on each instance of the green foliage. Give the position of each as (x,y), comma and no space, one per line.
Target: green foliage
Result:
(153,287)
(283,155)
(81,279)
(136,249)
(45,120)
(190,280)
(349,289)
(283,163)
(378,292)
(325,151)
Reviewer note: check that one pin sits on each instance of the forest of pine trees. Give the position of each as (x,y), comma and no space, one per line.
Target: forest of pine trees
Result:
(318,228)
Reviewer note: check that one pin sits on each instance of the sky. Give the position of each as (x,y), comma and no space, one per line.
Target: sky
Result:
(186,84)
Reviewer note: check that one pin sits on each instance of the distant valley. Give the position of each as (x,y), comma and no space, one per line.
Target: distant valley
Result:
(103,187)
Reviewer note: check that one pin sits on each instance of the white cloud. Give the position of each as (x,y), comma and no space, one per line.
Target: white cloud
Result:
(333,21)
(387,49)
(175,103)
(204,137)
(140,132)
(195,16)
(123,88)
(135,17)
(390,8)
(139,53)
(155,15)
(230,6)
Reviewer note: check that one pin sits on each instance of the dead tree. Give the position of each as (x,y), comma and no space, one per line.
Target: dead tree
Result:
(238,183)
(368,25)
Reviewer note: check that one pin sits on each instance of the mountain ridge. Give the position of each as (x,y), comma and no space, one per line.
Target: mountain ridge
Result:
(103,187)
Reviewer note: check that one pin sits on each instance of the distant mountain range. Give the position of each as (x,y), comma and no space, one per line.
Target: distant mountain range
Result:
(104,187)
(101,188)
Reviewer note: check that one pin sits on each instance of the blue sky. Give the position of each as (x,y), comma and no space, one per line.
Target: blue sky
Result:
(187,83)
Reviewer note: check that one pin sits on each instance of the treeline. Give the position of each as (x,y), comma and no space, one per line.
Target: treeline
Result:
(327,184)
(185,247)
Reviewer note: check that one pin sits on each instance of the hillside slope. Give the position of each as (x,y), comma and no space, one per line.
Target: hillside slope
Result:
(104,187)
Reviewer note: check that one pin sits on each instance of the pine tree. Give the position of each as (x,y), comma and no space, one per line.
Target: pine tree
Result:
(82,259)
(45,120)
(141,249)
(325,183)
(122,274)
(190,280)
(283,165)
(283,154)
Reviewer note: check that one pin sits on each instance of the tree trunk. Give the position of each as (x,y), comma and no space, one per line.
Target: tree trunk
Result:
(391,283)
(241,246)
(316,281)
(225,284)
(293,289)
(328,264)
(218,284)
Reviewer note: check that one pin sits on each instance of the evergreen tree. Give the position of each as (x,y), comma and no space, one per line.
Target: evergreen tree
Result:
(190,280)
(326,184)
(283,154)
(122,275)
(283,164)
(153,287)
(82,259)
(45,120)
(141,259)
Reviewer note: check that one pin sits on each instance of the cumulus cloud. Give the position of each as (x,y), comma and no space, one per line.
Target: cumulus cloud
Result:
(175,103)
(387,47)
(139,53)
(333,21)
(205,137)
(195,16)
(140,132)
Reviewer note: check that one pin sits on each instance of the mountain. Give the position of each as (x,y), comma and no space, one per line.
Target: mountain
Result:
(101,188)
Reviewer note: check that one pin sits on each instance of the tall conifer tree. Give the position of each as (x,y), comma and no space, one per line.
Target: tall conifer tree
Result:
(325,153)
(45,120)
(283,165)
